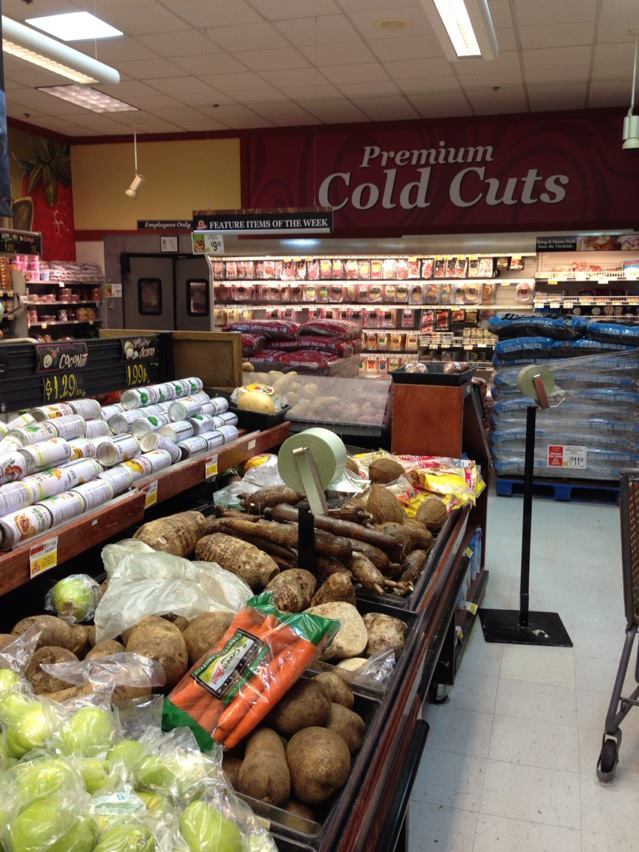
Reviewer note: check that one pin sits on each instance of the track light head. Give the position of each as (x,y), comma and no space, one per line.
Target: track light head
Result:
(136,183)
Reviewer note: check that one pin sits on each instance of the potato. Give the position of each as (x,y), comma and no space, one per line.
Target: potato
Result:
(204,632)
(352,636)
(55,632)
(232,764)
(335,689)
(180,622)
(90,629)
(82,644)
(264,773)
(303,705)
(348,725)
(300,810)
(122,694)
(161,641)
(384,633)
(7,639)
(70,693)
(320,762)
(41,681)
(105,649)
(292,589)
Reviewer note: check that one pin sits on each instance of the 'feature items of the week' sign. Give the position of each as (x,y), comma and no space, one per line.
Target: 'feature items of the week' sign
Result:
(289,221)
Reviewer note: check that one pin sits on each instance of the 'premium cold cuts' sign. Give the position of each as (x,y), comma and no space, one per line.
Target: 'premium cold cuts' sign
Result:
(532,171)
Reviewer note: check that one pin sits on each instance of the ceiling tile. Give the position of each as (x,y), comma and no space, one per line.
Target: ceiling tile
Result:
(614,32)
(276,10)
(203,124)
(406,47)
(18,10)
(283,113)
(220,13)
(31,76)
(178,85)
(506,38)
(204,99)
(387,109)
(411,69)
(620,10)
(501,13)
(613,62)
(326,29)
(336,111)
(103,124)
(504,63)
(178,115)
(609,93)
(247,37)
(367,23)
(140,21)
(365,5)
(369,72)
(424,86)
(144,69)
(341,53)
(570,64)
(553,12)
(306,94)
(309,77)
(236,82)
(363,90)
(114,50)
(101,5)
(556,35)
(440,104)
(127,89)
(209,63)
(255,96)
(557,96)
(277,59)
(184,43)
(507,99)
(238,116)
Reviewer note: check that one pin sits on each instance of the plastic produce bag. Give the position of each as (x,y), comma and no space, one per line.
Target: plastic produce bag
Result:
(261,470)
(64,821)
(73,598)
(230,496)
(143,581)
(106,673)
(259,658)
(15,656)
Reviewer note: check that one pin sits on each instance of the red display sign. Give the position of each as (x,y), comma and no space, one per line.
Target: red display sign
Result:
(530,172)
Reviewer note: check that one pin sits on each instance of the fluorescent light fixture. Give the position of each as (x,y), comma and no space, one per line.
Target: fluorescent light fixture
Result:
(88,98)
(631,121)
(464,28)
(75,26)
(54,56)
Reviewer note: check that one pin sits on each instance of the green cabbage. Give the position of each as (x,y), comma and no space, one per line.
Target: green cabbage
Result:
(206,830)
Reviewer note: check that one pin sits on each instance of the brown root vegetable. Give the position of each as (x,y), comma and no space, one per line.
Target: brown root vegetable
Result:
(385,470)
(231,764)
(348,725)
(105,649)
(7,639)
(40,680)
(384,633)
(352,465)
(176,534)
(335,689)
(204,632)
(159,640)
(71,693)
(413,566)
(286,534)
(91,635)
(266,497)
(384,506)
(371,579)
(349,668)
(401,533)
(338,587)
(326,566)
(432,513)
(250,564)
(264,773)
(377,557)
(55,631)
(102,591)
(320,762)
(82,643)
(293,589)
(352,513)
(303,705)
(300,810)
(352,636)
(180,622)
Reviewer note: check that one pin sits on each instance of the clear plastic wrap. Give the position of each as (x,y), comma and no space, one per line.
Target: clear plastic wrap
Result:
(107,673)
(15,656)
(64,821)
(73,598)
(144,582)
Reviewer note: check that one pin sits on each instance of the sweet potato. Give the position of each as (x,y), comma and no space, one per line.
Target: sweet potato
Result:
(241,558)
(292,589)
(264,773)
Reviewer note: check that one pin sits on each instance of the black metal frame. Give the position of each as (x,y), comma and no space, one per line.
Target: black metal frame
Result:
(141,309)
(207,309)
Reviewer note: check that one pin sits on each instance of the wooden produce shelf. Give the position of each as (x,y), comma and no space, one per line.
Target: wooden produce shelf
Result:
(74,537)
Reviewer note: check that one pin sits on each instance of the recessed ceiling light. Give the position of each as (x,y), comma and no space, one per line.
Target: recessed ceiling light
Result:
(393,25)
(75,26)
(88,98)
(464,28)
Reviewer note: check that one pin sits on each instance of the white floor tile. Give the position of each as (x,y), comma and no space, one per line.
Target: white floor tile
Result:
(535,743)
(555,704)
(592,707)
(451,780)
(609,808)
(461,731)
(611,840)
(496,834)
(474,691)
(531,794)
(480,656)
(434,827)
(554,666)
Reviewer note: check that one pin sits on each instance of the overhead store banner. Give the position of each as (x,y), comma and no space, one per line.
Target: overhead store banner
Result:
(547,172)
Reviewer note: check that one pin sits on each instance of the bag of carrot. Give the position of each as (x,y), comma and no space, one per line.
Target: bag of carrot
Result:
(233,687)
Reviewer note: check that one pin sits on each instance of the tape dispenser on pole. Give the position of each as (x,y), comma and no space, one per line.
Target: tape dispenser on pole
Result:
(538,383)
(309,461)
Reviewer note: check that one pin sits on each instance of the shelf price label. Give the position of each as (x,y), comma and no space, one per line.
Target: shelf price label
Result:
(210,466)
(567,456)
(151,494)
(61,386)
(137,374)
(43,557)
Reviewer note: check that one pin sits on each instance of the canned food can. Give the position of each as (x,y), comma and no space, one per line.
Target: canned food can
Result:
(13,465)
(33,434)
(46,454)
(82,448)
(20,421)
(121,422)
(148,424)
(87,408)
(50,412)
(120,478)
(195,384)
(95,493)
(181,387)
(70,426)
(107,411)
(229,418)
(180,430)
(202,423)
(155,441)
(230,433)
(209,409)
(3,428)
(159,459)
(166,392)
(220,404)
(158,408)
(23,524)
(14,496)
(184,408)
(64,506)
(96,429)
(48,483)
(139,467)
(213,438)
(140,397)
(117,450)
(190,446)
(82,470)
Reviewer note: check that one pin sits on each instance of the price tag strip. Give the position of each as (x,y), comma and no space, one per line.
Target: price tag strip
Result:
(150,494)
(210,466)
(43,557)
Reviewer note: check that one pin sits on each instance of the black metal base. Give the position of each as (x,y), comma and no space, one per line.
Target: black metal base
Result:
(544,628)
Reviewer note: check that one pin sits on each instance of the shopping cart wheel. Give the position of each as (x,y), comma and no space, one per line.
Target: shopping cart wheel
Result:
(608,760)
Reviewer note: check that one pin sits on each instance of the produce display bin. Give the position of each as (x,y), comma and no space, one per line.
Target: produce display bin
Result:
(435,375)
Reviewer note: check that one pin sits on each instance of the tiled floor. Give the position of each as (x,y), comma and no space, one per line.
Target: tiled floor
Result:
(510,761)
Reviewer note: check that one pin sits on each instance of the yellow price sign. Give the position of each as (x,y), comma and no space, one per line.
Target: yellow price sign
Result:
(60,386)
(43,557)
(210,466)
(151,494)
(137,374)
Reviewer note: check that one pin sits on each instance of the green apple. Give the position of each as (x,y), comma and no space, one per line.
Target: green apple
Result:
(73,598)
(8,679)
(30,731)
(46,824)
(95,773)
(206,830)
(126,838)
(88,732)
(129,753)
